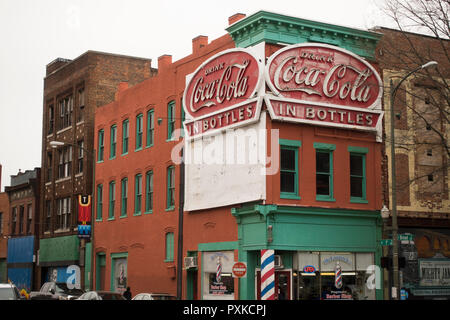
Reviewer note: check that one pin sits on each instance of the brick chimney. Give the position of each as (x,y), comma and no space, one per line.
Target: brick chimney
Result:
(164,61)
(235,18)
(121,88)
(199,42)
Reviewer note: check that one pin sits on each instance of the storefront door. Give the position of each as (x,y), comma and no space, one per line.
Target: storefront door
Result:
(283,286)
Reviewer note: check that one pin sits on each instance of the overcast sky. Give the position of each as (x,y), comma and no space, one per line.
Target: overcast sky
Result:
(35,32)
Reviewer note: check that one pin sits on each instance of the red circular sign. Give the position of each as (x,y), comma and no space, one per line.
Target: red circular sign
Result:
(239,269)
(323,74)
(226,79)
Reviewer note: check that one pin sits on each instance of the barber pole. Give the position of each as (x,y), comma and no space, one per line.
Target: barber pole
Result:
(267,274)
(219,271)
(338,276)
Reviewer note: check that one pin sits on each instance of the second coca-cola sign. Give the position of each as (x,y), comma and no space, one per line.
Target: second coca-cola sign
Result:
(323,74)
(222,81)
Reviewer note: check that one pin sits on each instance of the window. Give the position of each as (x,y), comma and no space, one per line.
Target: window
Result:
(81,104)
(183,117)
(21,217)
(150,128)
(101,145)
(80,147)
(170,119)
(14,220)
(29,218)
(113,142)
(48,215)
(358,174)
(49,167)
(430,178)
(65,162)
(169,247)
(430,152)
(64,209)
(324,171)
(289,186)
(170,188)
(1,223)
(99,201)
(65,112)
(51,119)
(125,135)
(112,199)
(139,132)
(137,194)
(149,191)
(124,202)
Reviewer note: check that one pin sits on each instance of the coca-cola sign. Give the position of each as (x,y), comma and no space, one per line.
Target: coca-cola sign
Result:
(226,79)
(323,74)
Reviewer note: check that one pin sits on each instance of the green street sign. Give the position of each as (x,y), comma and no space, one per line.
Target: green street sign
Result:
(405,237)
(386,242)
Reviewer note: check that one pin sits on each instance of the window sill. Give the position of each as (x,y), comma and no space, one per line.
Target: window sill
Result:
(148,212)
(138,149)
(325,198)
(124,216)
(170,209)
(358,200)
(112,158)
(111,219)
(100,161)
(149,146)
(124,154)
(291,196)
(137,214)
(98,219)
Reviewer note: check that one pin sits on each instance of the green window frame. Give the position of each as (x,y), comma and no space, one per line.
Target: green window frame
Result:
(183,117)
(137,194)
(170,120)
(149,192)
(139,132)
(124,198)
(150,128)
(113,142)
(99,202)
(324,171)
(289,169)
(112,200)
(125,135)
(101,145)
(170,198)
(358,182)
(169,256)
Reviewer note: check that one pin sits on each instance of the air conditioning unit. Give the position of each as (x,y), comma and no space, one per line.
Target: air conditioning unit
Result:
(278,262)
(190,262)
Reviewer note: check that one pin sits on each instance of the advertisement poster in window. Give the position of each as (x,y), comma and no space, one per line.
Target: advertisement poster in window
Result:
(120,274)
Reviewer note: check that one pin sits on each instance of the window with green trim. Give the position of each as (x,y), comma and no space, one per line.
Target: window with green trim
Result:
(149,191)
(137,194)
(289,169)
(170,187)
(324,171)
(101,144)
(358,174)
(99,201)
(113,141)
(183,117)
(125,135)
(150,127)
(169,247)
(170,119)
(112,199)
(124,200)
(139,131)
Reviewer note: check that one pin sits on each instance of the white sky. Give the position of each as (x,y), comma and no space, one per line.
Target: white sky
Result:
(35,32)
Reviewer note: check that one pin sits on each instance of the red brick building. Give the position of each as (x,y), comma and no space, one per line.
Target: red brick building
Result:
(315,203)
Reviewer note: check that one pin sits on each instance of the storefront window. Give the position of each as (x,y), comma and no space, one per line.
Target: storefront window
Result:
(218,282)
(318,278)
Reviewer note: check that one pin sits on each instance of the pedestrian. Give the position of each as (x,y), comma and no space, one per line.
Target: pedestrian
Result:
(127,294)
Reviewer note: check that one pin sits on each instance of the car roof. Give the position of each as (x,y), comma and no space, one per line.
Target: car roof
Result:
(6,285)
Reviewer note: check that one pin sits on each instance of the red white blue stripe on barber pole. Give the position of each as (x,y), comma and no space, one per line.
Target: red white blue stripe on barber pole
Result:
(267,274)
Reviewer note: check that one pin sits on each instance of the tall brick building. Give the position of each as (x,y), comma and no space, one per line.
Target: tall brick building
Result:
(73,89)
(421,133)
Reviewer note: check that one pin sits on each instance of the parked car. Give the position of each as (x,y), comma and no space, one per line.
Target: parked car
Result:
(9,291)
(101,295)
(55,291)
(154,296)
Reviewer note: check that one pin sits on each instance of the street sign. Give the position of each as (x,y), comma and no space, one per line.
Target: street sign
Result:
(239,269)
(386,242)
(406,237)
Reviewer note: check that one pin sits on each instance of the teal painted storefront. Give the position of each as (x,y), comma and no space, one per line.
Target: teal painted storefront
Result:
(292,229)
